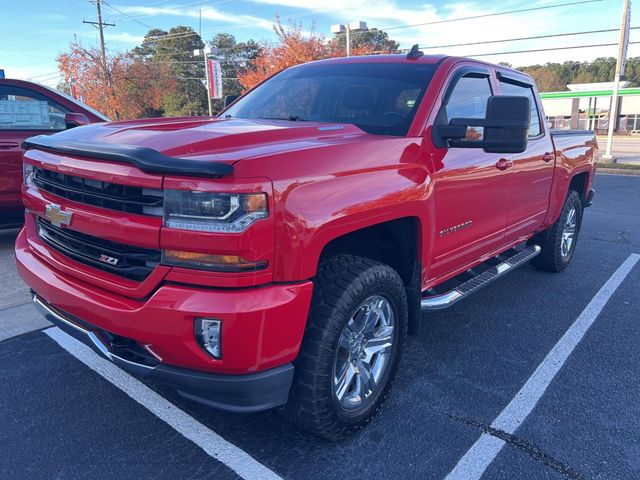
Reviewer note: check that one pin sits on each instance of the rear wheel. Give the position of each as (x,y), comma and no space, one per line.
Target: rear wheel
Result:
(352,345)
(559,242)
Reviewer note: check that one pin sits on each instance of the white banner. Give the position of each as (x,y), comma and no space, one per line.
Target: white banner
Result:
(215,78)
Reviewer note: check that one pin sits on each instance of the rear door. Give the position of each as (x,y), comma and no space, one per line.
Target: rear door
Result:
(23,113)
(532,170)
(471,193)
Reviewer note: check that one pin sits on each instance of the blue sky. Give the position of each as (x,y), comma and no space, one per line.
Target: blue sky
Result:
(34,32)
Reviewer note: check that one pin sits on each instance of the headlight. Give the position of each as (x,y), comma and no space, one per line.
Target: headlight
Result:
(27,171)
(213,212)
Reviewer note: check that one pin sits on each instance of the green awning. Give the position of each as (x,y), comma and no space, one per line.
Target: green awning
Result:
(592,93)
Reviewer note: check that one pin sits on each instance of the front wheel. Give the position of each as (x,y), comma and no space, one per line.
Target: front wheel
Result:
(559,243)
(352,345)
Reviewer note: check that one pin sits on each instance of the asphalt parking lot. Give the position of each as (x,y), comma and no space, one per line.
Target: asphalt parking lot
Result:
(65,413)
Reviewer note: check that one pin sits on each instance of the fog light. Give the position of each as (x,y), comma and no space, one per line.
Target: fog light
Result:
(208,335)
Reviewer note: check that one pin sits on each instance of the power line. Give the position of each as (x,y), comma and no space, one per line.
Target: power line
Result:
(504,40)
(100,26)
(43,75)
(509,12)
(549,49)
(127,15)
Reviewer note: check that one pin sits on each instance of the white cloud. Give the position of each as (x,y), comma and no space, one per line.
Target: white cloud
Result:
(208,13)
(50,16)
(124,37)
(390,13)
(45,74)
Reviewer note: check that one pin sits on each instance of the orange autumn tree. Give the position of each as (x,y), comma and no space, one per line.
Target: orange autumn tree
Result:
(121,87)
(295,46)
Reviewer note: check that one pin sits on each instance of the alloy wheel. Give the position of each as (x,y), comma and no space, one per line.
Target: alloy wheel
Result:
(363,354)
(568,233)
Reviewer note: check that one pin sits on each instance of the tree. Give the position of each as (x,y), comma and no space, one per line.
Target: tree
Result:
(293,48)
(234,58)
(546,79)
(364,42)
(120,87)
(174,49)
(556,76)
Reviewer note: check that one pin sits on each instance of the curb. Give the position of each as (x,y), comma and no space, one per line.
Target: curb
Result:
(617,171)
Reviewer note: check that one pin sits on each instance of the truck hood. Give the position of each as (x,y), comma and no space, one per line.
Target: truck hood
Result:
(222,140)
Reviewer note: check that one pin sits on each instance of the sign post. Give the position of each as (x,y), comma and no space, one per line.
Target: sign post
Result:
(620,64)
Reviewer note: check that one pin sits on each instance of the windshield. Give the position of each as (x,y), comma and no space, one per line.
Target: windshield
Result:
(379,98)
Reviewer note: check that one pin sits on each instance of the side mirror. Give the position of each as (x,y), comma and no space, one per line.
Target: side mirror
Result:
(229,99)
(73,119)
(504,130)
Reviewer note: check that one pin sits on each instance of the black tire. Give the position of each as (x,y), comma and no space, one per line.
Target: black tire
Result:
(341,285)
(551,258)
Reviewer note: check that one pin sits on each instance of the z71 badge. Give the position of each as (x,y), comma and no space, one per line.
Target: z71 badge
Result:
(107,259)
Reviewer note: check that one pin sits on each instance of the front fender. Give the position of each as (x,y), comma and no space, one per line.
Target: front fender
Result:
(316,211)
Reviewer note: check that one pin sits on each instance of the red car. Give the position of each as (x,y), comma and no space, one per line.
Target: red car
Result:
(28,109)
(277,256)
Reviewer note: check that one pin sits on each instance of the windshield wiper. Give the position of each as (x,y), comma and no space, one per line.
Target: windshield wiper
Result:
(290,118)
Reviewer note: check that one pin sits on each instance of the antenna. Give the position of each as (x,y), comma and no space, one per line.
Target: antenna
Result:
(415,52)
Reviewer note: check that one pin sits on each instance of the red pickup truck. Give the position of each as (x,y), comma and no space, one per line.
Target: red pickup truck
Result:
(28,109)
(279,254)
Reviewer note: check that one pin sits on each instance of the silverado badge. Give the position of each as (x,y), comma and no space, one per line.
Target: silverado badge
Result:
(57,216)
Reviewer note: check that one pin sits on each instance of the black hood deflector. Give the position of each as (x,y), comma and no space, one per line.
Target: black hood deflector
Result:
(146,159)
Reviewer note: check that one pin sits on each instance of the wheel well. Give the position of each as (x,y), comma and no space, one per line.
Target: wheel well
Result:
(579,184)
(394,243)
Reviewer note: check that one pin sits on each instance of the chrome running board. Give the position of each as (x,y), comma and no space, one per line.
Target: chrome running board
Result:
(445,300)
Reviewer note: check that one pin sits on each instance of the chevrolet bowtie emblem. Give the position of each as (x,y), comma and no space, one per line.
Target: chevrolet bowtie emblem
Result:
(57,216)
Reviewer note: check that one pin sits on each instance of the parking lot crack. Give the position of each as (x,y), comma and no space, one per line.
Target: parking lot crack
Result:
(533,451)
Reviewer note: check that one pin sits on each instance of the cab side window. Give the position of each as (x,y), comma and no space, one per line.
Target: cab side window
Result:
(469,98)
(509,88)
(23,109)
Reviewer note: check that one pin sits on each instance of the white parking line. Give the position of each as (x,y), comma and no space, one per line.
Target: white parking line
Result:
(474,463)
(209,441)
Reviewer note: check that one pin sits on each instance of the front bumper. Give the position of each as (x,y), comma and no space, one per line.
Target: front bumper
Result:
(262,329)
(236,393)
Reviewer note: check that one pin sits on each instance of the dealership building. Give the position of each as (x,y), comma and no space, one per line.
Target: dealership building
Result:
(585,106)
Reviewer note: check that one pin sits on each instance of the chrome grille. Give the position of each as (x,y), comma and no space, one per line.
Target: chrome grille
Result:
(114,196)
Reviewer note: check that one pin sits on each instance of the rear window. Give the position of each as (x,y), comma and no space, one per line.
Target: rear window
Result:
(379,98)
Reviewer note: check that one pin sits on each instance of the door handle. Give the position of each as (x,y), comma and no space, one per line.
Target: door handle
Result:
(547,157)
(7,145)
(503,164)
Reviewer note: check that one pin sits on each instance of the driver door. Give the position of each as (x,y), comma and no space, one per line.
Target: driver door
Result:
(471,190)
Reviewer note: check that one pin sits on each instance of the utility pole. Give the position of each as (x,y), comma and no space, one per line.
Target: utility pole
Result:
(348,39)
(357,26)
(100,26)
(620,64)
